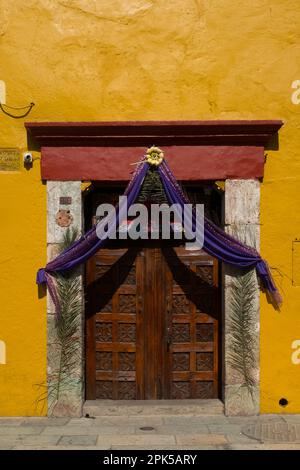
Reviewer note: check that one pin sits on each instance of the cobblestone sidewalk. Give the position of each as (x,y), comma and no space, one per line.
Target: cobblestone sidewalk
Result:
(152,432)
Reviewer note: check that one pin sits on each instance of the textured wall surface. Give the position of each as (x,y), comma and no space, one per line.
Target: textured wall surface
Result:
(241,303)
(64,368)
(139,60)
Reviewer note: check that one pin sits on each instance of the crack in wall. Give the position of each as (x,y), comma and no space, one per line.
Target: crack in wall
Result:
(121,20)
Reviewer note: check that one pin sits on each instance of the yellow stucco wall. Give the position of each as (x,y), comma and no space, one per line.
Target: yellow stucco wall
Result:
(145,60)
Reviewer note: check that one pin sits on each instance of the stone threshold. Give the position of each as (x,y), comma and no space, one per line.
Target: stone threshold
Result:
(96,408)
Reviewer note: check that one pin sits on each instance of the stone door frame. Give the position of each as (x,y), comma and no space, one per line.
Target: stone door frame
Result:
(241,218)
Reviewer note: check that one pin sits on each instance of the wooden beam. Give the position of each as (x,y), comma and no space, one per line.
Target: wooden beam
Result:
(195,150)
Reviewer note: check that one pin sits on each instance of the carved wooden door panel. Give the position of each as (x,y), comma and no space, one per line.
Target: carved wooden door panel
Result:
(114,332)
(152,324)
(192,323)
(125,349)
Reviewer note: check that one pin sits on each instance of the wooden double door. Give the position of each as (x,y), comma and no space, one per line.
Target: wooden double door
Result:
(152,324)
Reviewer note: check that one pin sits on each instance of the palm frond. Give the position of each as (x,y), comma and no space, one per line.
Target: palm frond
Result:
(69,237)
(242,356)
(67,324)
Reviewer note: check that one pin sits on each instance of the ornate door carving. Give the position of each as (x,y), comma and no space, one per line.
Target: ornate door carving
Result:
(152,324)
(192,324)
(114,333)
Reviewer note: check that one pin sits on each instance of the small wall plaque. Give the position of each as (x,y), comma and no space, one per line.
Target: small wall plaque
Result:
(9,159)
(64,218)
(65,200)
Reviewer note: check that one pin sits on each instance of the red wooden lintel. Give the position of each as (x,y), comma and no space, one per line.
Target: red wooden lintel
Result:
(196,150)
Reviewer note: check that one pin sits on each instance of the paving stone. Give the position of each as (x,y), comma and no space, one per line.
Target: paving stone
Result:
(44,421)
(225,428)
(9,441)
(32,447)
(59,447)
(40,439)
(19,430)
(11,421)
(238,438)
(285,446)
(117,420)
(129,420)
(240,419)
(167,447)
(195,420)
(85,422)
(259,446)
(290,418)
(271,417)
(139,440)
(78,440)
(78,447)
(186,429)
(201,439)
(89,430)
(211,432)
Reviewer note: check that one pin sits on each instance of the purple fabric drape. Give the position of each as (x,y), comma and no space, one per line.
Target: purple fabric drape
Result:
(80,251)
(217,243)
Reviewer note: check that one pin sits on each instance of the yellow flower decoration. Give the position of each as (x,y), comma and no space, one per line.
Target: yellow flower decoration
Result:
(154,156)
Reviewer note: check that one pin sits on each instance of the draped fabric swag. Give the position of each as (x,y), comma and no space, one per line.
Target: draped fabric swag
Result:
(217,242)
